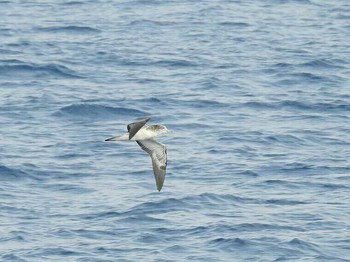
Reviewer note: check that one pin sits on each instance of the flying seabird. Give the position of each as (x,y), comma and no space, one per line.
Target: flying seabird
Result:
(143,135)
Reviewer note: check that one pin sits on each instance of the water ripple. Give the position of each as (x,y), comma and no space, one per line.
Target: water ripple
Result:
(71,29)
(17,68)
(97,112)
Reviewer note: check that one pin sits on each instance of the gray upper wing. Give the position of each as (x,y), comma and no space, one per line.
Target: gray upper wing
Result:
(133,128)
(158,154)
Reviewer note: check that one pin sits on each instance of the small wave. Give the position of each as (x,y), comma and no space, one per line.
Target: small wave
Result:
(26,171)
(206,199)
(262,227)
(96,112)
(175,63)
(279,69)
(100,215)
(306,246)
(9,52)
(68,188)
(198,103)
(5,31)
(336,105)
(302,245)
(234,24)
(151,100)
(293,1)
(213,82)
(10,61)
(175,248)
(12,257)
(333,186)
(14,68)
(147,22)
(141,218)
(72,29)
(259,105)
(302,77)
(240,227)
(228,244)
(278,182)
(168,63)
(283,65)
(282,202)
(92,234)
(69,3)
(56,251)
(215,198)
(296,105)
(146,80)
(11,173)
(308,76)
(299,78)
(167,205)
(297,167)
(289,140)
(324,64)
(189,202)
(250,173)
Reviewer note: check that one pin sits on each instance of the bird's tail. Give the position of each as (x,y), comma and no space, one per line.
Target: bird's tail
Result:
(124,137)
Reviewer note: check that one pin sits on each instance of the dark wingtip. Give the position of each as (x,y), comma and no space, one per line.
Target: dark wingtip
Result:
(133,128)
(146,119)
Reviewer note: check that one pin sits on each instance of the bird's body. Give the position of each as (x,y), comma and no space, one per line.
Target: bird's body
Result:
(144,135)
(146,132)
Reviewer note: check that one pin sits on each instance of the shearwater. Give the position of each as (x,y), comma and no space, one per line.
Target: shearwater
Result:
(143,135)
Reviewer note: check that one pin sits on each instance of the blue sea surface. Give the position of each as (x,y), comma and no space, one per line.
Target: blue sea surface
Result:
(257,94)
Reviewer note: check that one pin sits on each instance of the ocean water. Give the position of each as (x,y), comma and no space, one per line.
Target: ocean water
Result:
(257,94)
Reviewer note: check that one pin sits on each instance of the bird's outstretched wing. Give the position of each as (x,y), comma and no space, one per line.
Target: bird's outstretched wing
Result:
(158,154)
(133,128)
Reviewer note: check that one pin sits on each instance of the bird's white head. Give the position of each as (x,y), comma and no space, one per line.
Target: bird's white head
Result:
(164,129)
(160,129)
(167,130)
